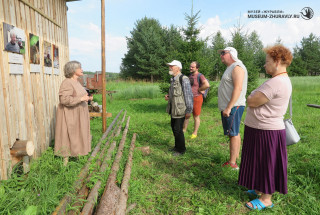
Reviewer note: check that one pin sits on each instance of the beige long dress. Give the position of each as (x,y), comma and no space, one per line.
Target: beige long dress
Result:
(72,136)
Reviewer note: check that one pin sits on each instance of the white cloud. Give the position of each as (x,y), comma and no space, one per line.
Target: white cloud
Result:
(114,43)
(77,46)
(92,28)
(90,50)
(290,31)
(212,26)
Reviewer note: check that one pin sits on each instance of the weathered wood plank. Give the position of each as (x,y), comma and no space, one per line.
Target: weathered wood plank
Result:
(32,16)
(17,14)
(12,13)
(1,11)
(95,114)
(21,106)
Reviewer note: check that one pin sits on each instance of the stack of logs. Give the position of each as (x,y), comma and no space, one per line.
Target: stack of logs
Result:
(94,107)
(114,199)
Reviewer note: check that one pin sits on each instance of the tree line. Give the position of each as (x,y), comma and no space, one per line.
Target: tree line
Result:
(152,45)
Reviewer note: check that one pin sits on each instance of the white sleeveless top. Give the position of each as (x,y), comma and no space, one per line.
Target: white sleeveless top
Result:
(226,87)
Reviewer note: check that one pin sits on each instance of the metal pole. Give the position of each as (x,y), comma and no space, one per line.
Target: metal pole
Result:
(103,61)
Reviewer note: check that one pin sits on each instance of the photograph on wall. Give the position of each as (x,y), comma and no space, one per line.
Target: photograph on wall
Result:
(47,54)
(34,49)
(55,56)
(14,39)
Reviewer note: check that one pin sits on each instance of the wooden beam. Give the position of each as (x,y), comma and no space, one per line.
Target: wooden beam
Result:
(40,12)
(95,114)
(103,62)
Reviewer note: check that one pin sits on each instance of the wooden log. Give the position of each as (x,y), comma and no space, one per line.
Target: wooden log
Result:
(95,114)
(88,208)
(93,195)
(96,109)
(22,148)
(119,129)
(84,191)
(109,198)
(122,202)
(61,208)
(26,164)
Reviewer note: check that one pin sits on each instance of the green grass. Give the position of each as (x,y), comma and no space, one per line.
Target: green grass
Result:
(192,184)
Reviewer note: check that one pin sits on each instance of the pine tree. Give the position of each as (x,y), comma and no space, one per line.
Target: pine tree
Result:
(146,51)
(218,43)
(192,47)
(240,41)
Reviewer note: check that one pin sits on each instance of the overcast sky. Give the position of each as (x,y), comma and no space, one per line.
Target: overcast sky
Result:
(84,23)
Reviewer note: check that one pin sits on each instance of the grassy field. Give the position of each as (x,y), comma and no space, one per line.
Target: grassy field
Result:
(191,184)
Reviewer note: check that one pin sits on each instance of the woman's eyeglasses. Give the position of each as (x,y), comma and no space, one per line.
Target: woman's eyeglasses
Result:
(223,53)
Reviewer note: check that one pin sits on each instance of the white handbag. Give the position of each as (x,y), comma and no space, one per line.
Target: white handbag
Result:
(292,136)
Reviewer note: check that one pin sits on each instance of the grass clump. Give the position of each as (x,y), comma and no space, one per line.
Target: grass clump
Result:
(42,189)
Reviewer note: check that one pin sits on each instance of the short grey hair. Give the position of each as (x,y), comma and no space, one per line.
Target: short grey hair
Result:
(13,33)
(70,68)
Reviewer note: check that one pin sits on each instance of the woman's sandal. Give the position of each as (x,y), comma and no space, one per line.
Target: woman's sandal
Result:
(258,205)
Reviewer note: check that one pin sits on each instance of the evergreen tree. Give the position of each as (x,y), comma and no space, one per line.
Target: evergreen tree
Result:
(173,42)
(146,51)
(310,54)
(259,56)
(298,67)
(218,42)
(240,41)
(192,48)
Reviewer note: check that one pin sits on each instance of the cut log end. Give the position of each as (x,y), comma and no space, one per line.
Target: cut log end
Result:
(22,148)
(30,148)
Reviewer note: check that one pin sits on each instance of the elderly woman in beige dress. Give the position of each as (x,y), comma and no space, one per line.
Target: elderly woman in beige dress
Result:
(72,136)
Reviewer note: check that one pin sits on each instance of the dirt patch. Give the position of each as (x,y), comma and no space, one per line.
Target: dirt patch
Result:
(145,163)
(144,149)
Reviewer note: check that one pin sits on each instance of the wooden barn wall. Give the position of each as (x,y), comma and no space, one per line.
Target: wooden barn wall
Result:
(28,101)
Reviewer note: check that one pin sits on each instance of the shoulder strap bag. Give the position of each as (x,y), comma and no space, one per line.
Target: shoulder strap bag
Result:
(292,136)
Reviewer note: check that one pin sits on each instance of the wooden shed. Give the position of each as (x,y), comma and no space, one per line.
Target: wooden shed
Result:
(30,73)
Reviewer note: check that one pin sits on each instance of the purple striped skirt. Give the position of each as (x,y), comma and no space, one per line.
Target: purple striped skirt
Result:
(264,161)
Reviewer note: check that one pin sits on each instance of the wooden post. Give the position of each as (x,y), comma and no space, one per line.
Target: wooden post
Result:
(103,61)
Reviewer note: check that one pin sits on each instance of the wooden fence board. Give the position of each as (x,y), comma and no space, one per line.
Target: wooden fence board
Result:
(28,102)
(4,146)
(1,11)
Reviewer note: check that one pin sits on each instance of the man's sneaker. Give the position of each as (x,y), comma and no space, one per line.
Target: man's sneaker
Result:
(233,166)
(193,136)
